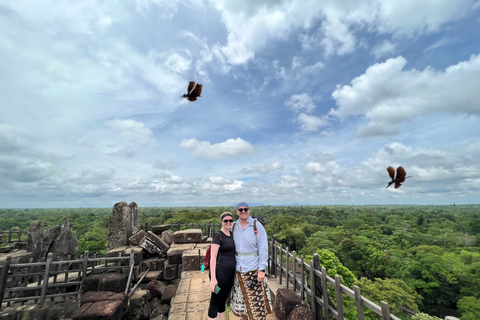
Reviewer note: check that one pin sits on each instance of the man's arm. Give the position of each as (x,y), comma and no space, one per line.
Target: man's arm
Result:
(262,251)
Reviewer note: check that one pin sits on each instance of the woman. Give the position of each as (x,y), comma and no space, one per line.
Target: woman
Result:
(222,267)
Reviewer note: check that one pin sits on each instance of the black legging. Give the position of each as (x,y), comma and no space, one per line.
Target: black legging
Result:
(225,279)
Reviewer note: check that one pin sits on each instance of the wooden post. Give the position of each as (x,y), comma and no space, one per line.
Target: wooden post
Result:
(281,263)
(9,235)
(318,286)
(312,290)
(338,293)
(19,235)
(45,279)
(131,267)
(3,278)
(325,293)
(287,257)
(385,310)
(302,283)
(294,270)
(358,303)
(275,256)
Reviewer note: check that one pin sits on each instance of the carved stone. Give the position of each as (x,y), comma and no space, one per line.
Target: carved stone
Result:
(137,237)
(123,224)
(156,239)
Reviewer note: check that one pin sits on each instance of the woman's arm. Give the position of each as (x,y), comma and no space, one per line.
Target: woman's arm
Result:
(213,266)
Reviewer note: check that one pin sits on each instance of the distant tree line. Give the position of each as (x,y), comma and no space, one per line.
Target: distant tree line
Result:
(421,258)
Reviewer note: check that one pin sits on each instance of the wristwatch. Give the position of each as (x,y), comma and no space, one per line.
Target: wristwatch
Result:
(262,270)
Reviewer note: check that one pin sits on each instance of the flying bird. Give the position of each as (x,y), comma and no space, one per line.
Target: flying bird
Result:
(399,179)
(194,91)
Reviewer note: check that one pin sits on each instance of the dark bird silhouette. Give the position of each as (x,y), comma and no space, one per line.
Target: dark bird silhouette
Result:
(399,179)
(194,91)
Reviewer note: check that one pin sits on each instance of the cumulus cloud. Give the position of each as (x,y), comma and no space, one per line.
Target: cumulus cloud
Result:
(312,123)
(229,148)
(251,25)
(264,168)
(388,95)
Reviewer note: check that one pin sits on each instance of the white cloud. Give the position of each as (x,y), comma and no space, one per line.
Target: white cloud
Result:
(299,102)
(251,25)
(264,168)
(229,148)
(312,123)
(385,48)
(133,131)
(388,95)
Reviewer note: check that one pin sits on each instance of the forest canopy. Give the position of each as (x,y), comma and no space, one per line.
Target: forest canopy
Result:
(423,258)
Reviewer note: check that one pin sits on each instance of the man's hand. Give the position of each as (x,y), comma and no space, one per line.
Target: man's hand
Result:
(261,276)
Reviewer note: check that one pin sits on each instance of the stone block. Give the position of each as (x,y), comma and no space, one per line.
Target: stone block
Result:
(301,313)
(174,256)
(151,275)
(151,263)
(115,282)
(116,251)
(158,230)
(149,246)
(158,241)
(123,223)
(105,310)
(170,271)
(188,236)
(204,246)
(160,310)
(139,305)
(169,293)
(191,260)
(167,236)
(156,288)
(285,302)
(103,296)
(137,254)
(137,237)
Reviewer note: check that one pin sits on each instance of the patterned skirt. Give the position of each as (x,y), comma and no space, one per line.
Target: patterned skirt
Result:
(252,301)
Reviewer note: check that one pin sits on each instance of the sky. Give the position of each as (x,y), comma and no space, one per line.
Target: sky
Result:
(304,102)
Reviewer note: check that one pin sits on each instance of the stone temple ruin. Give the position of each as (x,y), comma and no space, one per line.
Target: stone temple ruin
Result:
(160,257)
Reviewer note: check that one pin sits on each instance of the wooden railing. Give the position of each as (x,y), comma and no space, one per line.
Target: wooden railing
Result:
(50,280)
(208,229)
(286,266)
(12,236)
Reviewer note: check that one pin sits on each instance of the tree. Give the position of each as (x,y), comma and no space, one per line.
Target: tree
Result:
(469,307)
(395,292)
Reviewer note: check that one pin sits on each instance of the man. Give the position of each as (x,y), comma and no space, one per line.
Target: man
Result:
(250,297)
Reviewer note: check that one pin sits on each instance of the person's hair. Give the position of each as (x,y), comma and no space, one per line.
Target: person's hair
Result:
(226,214)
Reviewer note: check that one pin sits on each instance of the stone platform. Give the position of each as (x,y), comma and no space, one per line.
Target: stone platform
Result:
(193,297)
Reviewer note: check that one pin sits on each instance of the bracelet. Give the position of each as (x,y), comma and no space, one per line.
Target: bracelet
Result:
(262,270)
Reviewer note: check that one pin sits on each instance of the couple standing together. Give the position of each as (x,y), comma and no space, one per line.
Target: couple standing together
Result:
(239,256)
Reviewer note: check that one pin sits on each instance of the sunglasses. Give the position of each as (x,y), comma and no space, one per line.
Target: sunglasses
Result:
(243,209)
(228,221)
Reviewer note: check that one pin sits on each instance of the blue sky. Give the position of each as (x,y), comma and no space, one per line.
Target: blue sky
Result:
(304,102)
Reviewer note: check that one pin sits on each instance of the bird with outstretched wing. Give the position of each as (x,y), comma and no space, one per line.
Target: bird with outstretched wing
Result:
(194,91)
(399,179)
